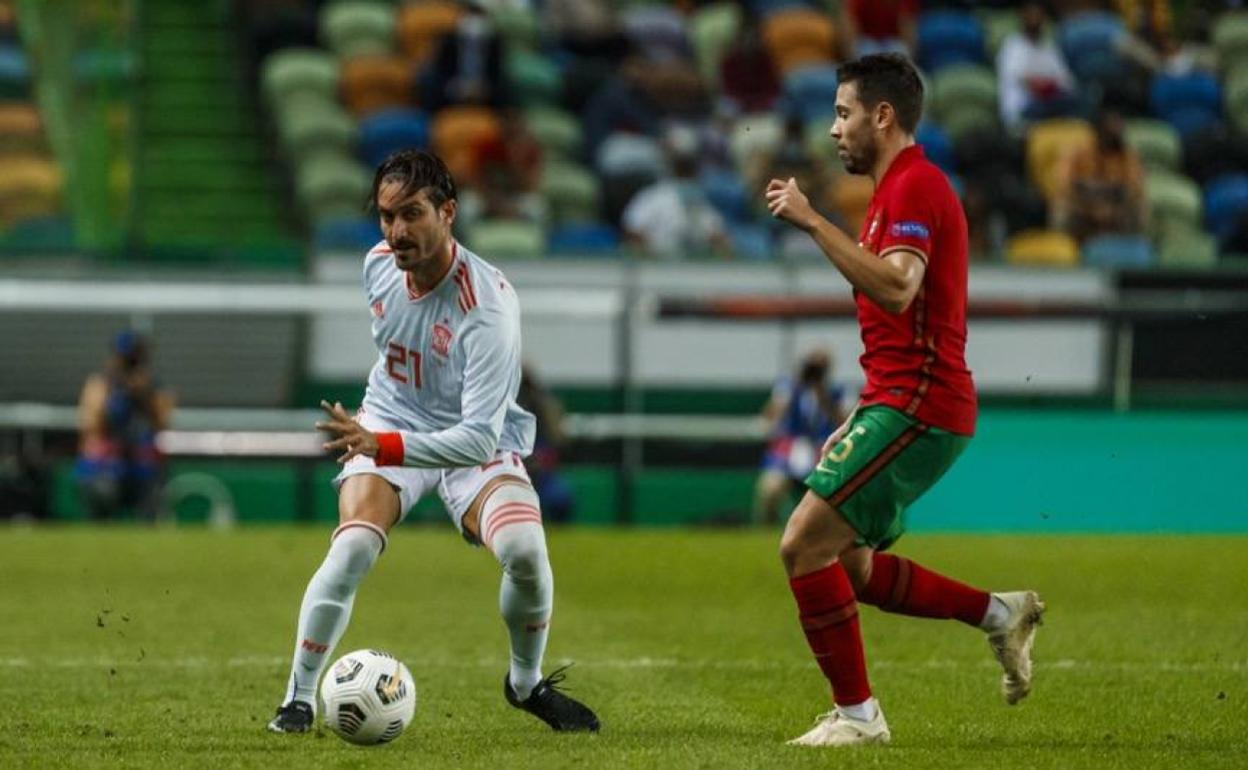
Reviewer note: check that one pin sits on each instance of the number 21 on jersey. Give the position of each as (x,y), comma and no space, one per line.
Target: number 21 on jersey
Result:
(403,364)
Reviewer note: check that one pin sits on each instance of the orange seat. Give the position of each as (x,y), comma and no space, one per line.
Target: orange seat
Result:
(1047,248)
(851,196)
(457,132)
(29,187)
(1048,142)
(421,24)
(799,37)
(371,83)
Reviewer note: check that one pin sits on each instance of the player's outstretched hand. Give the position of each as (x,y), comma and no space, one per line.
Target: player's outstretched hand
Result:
(351,436)
(785,200)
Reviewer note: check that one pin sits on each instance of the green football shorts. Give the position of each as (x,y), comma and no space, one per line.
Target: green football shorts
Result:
(885,461)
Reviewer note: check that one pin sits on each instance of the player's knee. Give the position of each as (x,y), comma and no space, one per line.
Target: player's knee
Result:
(511,527)
(521,550)
(792,549)
(859,573)
(353,551)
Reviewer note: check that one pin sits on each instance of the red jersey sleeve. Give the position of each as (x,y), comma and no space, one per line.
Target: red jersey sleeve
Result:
(911,218)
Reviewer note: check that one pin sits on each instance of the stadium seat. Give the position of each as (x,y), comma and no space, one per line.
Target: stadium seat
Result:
(1174,202)
(534,78)
(1189,102)
(455,133)
(798,37)
(372,83)
(810,93)
(656,30)
(583,239)
(517,25)
(332,187)
(354,234)
(419,26)
(1187,247)
(711,31)
(30,187)
(1047,141)
(1118,252)
(727,193)
(48,234)
(383,133)
(295,71)
(964,99)
(507,238)
(949,37)
(936,144)
(1042,248)
(557,131)
(572,192)
(14,72)
(630,154)
(358,28)
(752,242)
(1230,39)
(1089,41)
(309,124)
(1236,90)
(851,195)
(21,129)
(753,134)
(998,24)
(819,143)
(1156,142)
(1226,200)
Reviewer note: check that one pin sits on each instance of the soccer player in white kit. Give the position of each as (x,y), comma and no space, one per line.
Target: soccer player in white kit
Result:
(439,411)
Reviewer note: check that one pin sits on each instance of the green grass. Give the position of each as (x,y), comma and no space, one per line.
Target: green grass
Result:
(135,648)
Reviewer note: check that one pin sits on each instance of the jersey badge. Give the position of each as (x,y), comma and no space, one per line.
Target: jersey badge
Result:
(379,310)
(442,339)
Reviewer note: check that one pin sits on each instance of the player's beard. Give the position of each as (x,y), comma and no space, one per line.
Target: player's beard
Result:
(861,161)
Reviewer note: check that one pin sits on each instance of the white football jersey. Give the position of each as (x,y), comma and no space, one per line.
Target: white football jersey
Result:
(448,365)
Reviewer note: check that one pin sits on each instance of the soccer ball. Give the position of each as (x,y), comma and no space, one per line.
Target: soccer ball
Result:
(368,697)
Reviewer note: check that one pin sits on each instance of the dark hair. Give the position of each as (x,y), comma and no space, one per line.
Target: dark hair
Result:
(887,77)
(417,170)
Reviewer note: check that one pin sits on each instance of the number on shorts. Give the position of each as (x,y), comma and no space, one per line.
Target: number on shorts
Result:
(842,448)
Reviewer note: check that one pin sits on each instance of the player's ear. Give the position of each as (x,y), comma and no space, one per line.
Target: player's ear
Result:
(884,115)
(447,211)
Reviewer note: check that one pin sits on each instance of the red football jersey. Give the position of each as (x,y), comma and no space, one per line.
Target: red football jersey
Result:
(915,361)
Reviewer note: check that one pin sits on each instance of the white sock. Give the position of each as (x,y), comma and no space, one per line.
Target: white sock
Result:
(996,616)
(511,526)
(863,712)
(326,607)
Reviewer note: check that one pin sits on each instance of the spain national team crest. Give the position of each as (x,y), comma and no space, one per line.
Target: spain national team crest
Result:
(442,339)
(379,310)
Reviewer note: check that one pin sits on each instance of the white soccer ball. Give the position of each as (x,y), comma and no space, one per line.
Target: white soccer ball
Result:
(368,697)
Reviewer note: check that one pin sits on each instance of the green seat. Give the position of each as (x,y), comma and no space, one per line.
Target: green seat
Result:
(1174,201)
(961,86)
(507,238)
(1235,94)
(517,26)
(572,192)
(1230,40)
(998,23)
(1156,142)
(358,28)
(711,31)
(308,124)
(557,131)
(1183,246)
(534,78)
(287,73)
(963,120)
(332,186)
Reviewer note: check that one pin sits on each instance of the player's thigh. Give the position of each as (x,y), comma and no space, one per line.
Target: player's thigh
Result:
(370,498)
(472,517)
(463,490)
(814,536)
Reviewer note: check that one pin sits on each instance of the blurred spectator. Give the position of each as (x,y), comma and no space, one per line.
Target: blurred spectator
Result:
(553,490)
(587,28)
(120,412)
(673,217)
(791,158)
(622,103)
(468,67)
(879,26)
(748,76)
(802,412)
(1153,43)
(507,174)
(1034,80)
(1102,188)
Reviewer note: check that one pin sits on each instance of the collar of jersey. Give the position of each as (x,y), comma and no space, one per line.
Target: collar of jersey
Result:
(413,296)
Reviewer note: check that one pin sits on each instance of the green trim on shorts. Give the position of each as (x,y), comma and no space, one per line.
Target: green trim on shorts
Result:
(886,461)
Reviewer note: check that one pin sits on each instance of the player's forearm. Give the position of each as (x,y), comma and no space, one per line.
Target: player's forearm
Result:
(462,446)
(877,278)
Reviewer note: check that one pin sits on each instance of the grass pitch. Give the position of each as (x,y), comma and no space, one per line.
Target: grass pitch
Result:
(139,648)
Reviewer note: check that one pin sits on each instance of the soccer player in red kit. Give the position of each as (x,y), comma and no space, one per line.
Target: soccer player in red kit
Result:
(914,417)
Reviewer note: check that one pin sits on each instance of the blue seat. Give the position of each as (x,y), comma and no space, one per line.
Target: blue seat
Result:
(1226,200)
(937,145)
(352,234)
(949,37)
(584,238)
(727,193)
(390,130)
(752,242)
(810,93)
(1089,42)
(764,8)
(14,72)
(1190,103)
(1119,251)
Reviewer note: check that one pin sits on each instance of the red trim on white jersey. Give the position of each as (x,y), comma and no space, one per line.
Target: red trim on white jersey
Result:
(415,294)
(467,294)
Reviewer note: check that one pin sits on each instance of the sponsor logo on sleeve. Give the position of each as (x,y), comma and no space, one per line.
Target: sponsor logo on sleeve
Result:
(909,230)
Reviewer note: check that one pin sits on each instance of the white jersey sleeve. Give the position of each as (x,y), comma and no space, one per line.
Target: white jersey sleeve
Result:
(491,345)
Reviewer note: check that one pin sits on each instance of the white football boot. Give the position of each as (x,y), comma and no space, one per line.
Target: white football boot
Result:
(1012,644)
(836,729)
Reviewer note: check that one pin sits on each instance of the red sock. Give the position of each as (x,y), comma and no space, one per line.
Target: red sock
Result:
(899,585)
(829,615)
